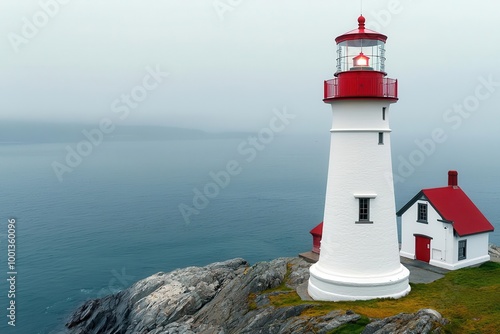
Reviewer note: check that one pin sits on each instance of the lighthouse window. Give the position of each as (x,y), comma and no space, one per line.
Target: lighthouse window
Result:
(381,138)
(383,113)
(364,211)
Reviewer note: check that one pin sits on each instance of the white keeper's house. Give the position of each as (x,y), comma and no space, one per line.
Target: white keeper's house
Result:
(443,227)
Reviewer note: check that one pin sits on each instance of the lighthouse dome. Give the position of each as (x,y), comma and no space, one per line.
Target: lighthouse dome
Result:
(361,41)
(361,33)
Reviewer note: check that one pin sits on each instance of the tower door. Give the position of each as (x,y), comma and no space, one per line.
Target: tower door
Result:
(422,248)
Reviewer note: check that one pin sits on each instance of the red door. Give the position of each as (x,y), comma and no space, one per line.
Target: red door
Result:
(422,248)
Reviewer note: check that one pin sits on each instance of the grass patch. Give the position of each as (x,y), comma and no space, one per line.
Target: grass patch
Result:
(287,298)
(252,304)
(352,327)
(469,298)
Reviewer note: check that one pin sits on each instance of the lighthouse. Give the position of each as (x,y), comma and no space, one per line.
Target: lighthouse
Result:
(359,256)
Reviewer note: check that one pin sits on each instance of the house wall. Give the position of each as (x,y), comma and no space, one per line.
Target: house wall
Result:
(316,244)
(444,244)
(476,253)
(441,233)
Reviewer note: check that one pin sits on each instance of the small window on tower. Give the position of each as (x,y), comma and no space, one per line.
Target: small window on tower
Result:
(383,113)
(364,211)
(381,138)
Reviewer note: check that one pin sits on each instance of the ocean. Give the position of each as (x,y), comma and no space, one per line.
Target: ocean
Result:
(130,209)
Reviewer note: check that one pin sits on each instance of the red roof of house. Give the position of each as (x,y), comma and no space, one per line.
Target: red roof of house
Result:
(455,206)
(318,230)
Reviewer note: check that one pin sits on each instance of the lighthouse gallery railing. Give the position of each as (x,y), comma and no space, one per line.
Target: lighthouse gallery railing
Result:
(361,86)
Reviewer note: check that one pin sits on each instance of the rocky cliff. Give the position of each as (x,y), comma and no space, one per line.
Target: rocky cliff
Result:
(227,297)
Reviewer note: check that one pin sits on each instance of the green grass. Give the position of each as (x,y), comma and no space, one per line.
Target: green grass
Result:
(353,327)
(469,298)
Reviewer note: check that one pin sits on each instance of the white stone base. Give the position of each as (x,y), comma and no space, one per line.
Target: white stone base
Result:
(329,286)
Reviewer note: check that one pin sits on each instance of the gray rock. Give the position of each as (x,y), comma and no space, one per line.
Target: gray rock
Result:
(494,251)
(423,322)
(299,273)
(223,298)
(156,301)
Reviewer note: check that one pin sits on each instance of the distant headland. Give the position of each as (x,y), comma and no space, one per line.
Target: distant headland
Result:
(29,132)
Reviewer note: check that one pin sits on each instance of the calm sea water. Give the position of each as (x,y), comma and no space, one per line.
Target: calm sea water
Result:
(115,218)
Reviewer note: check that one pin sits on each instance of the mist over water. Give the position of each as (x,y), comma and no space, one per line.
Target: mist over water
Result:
(115,218)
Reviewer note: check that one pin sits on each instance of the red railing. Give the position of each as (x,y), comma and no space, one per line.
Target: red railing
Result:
(358,84)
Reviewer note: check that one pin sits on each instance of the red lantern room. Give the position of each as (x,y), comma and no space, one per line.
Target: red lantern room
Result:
(361,67)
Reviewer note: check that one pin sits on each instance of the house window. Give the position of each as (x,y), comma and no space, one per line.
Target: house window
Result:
(364,211)
(422,213)
(381,138)
(383,113)
(462,249)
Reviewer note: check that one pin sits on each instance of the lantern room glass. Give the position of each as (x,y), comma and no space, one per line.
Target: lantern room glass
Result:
(348,50)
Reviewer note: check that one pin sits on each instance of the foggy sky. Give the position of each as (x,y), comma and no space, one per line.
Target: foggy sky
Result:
(231,62)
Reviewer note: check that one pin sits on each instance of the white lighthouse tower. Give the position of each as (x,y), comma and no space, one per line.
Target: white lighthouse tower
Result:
(359,256)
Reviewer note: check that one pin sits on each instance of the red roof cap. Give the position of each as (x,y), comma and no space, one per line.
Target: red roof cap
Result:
(361,33)
(361,22)
(318,230)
